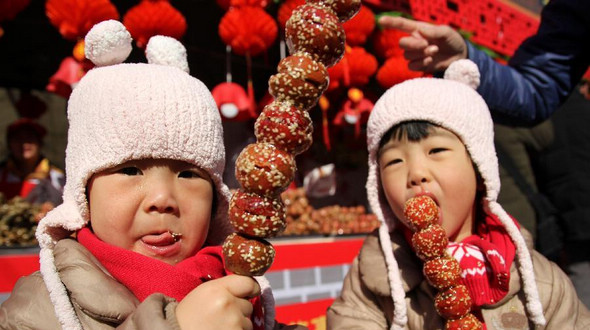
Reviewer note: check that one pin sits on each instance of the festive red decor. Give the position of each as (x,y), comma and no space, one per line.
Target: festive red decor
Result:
(355,69)
(386,43)
(226,4)
(248,30)
(9,8)
(355,111)
(74,18)
(285,11)
(69,73)
(154,17)
(233,102)
(394,71)
(360,27)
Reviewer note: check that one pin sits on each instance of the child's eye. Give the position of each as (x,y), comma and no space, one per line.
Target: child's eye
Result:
(393,162)
(189,174)
(437,150)
(130,171)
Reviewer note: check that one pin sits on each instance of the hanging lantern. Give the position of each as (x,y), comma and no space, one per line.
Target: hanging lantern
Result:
(355,69)
(386,42)
(233,102)
(355,111)
(226,4)
(67,76)
(9,9)
(74,18)
(285,11)
(394,71)
(154,17)
(248,30)
(360,27)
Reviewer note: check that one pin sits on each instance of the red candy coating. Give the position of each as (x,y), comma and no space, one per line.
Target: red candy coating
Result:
(430,243)
(454,302)
(467,322)
(256,215)
(421,212)
(264,169)
(284,126)
(344,9)
(316,30)
(300,80)
(247,256)
(442,272)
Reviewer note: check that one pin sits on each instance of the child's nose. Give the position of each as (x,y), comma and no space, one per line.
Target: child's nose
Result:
(161,198)
(418,175)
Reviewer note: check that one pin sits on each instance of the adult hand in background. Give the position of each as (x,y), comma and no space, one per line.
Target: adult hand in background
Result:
(429,48)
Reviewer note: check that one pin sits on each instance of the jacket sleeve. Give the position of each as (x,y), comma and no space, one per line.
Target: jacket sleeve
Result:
(357,307)
(156,312)
(28,306)
(544,69)
(561,306)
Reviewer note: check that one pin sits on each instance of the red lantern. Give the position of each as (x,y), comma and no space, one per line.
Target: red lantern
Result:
(286,9)
(248,30)
(74,18)
(394,71)
(9,8)
(355,69)
(355,111)
(233,102)
(386,43)
(359,27)
(226,4)
(154,17)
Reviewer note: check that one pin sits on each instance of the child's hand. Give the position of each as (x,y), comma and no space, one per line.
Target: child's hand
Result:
(219,304)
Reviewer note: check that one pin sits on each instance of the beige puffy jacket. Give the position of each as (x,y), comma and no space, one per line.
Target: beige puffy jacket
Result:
(366,303)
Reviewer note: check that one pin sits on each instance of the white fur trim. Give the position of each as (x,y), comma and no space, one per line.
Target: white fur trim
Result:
(400,314)
(107,43)
(166,51)
(57,292)
(268,301)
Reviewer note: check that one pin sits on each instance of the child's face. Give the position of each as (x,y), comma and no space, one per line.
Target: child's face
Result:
(437,165)
(139,204)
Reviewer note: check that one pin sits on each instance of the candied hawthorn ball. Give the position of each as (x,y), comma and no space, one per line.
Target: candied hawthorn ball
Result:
(316,30)
(454,302)
(264,169)
(255,215)
(467,322)
(247,256)
(344,9)
(421,212)
(284,126)
(300,79)
(442,272)
(430,243)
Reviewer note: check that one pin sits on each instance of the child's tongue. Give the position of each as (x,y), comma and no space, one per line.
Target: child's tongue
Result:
(159,239)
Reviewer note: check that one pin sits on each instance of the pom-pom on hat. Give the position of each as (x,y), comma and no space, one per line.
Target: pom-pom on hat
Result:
(451,103)
(125,111)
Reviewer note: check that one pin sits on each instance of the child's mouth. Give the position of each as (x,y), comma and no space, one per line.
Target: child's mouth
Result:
(163,245)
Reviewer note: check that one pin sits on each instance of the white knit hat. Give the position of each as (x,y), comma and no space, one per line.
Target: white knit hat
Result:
(119,112)
(454,104)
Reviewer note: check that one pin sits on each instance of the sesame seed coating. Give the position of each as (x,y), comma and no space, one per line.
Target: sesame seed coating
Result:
(344,9)
(256,215)
(247,256)
(430,243)
(454,302)
(421,212)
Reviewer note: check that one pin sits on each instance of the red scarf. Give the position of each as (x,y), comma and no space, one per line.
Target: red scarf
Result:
(144,275)
(486,258)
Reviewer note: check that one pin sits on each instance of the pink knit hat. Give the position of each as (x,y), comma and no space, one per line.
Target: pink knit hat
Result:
(119,112)
(453,104)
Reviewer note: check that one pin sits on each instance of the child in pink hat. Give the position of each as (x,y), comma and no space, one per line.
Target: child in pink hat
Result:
(434,137)
(135,243)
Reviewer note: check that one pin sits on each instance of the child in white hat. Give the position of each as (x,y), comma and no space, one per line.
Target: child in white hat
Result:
(145,199)
(434,137)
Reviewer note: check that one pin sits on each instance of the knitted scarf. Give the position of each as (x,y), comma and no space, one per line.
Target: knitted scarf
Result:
(144,275)
(485,259)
